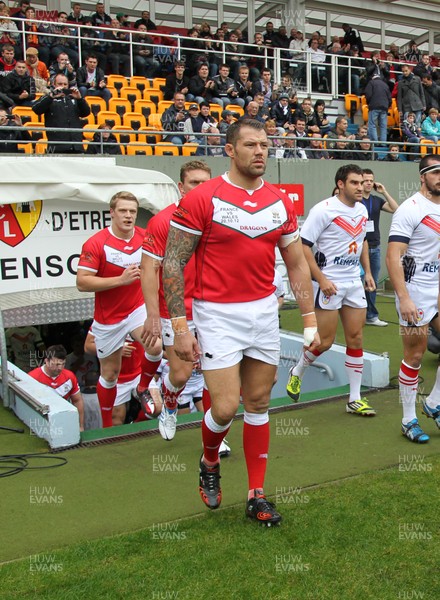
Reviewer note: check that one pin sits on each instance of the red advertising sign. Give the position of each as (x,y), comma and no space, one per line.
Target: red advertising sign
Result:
(295,191)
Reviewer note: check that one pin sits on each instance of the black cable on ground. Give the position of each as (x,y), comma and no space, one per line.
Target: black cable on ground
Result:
(12,464)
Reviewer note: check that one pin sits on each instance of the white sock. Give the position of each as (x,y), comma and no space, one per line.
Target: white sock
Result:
(408,382)
(354,366)
(305,360)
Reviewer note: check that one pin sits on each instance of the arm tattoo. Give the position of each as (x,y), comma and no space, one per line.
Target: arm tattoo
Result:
(180,247)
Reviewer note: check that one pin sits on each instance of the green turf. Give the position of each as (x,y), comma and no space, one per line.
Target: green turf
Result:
(369,537)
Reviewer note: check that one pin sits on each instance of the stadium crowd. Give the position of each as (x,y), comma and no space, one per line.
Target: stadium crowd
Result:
(122,67)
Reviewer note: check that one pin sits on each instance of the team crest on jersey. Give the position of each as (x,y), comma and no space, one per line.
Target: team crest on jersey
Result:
(352,248)
(17,221)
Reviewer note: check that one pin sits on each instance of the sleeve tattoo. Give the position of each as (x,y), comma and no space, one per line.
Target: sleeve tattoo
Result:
(180,247)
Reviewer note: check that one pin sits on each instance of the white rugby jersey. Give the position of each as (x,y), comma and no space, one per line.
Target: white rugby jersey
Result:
(337,231)
(417,223)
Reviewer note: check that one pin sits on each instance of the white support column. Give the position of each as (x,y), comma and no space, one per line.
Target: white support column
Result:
(431,41)
(61,6)
(382,34)
(251,19)
(187,14)
(294,15)
(328,26)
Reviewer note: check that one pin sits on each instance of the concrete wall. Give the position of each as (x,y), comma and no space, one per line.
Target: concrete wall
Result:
(401,180)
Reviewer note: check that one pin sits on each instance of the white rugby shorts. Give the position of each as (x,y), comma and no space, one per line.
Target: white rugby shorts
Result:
(168,333)
(350,293)
(109,338)
(426,301)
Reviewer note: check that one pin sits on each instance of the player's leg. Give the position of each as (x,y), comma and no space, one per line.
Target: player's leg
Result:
(150,360)
(118,414)
(353,321)
(224,388)
(327,324)
(256,385)
(414,340)
(106,387)
(172,386)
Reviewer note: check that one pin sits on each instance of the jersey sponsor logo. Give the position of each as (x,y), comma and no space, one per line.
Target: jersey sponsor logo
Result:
(431,223)
(341,260)
(250,224)
(352,229)
(430,267)
(352,248)
(122,259)
(17,221)
(249,203)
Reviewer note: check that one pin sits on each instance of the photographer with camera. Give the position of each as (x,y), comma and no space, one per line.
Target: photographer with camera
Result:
(10,136)
(63,108)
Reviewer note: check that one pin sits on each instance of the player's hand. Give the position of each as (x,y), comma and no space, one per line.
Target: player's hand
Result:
(380,187)
(315,344)
(187,347)
(369,283)
(130,275)
(408,311)
(128,349)
(328,287)
(151,331)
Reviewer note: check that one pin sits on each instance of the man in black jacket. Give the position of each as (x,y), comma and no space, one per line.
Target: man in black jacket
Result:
(63,108)
(11,136)
(19,86)
(173,120)
(91,80)
(378,96)
(176,82)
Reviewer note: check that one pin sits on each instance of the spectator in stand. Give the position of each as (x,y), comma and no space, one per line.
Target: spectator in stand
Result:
(198,123)
(393,154)
(269,33)
(263,109)
(38,70)
(20,11)
(394,72)
(173,120)
(224,89)
(281,40)
(306,112)
(251,112)
(118,49)
(300,131)
(90,79)
(319,70)
(378,96)
(277,143)
(205,30)
(18,86)
(123,20)
(286,87)
(76,15)
(413,54)
(394,50)
(291,148)
(67,43)
(144,61)
(356,70)
(104,142)
(63,66)
(375,66)
(321,118)
(225,28)
(411,133)
(340,130)
(213,145)
(432,93)
(192,51)
(342,150)
(228,117)
(63,108)
(91,42)
(431,126)
(265,86)
(33,40)
(9,33)
(145,20)
(234,54)
(257,61)
(362,132)
(410,95)
(314,150)
(176,82)
(280,112)
(364,150)
(243,84)
(7,60)
(424,67)
(213,56)
(100,17)
(10,137)
(351,38)
(201,88)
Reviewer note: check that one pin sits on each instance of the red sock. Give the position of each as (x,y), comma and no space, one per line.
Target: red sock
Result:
(256,434)
(106,397)
(206,400)
(170,393)
(212,439)
(148,370)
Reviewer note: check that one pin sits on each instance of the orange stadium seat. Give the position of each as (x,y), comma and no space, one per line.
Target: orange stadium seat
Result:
(119,105)
(136,148)
(109,116)
(146,136)
(154,121)
(134,120)
(131,94)
(126,135)
(117,82)
(165,149)
(141,83)
(189,149)
(25,113)
(146,107)
(154,95)
(96,104)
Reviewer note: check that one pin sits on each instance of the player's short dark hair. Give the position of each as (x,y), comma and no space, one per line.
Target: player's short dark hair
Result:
(426,160)
(233,131)
(56,351)
(122,196)
(343,172)
(367,172)
(193,165)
